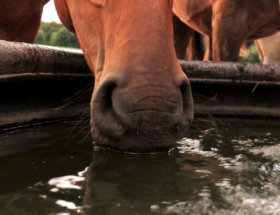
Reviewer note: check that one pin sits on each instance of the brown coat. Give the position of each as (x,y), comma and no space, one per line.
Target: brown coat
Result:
(142,100)
(230,23)
(269,49)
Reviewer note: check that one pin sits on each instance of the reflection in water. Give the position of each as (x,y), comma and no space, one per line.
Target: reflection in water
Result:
(69,182)
(119,183)
(233,170)
(145,184)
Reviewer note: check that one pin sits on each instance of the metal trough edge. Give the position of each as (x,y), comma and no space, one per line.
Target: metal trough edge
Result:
(36,79)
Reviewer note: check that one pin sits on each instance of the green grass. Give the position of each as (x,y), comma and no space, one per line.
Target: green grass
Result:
(253,56)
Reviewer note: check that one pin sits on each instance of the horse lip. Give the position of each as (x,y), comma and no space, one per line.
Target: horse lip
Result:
(143,137)
(108,122)
(144,110)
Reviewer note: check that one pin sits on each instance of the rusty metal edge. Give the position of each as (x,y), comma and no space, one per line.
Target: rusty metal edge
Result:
(21,60)
(40,76)
(237,72)
(35,62)
(28,59)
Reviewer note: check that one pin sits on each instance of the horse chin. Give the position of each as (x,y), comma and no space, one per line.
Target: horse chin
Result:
(158,140)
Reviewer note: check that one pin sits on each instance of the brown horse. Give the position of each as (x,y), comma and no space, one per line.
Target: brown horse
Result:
(269,49)
(20,20)
(186,40)
(230,23)
(142,100)
(197,46)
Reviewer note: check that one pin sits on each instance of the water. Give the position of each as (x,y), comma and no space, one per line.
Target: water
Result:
(232,168)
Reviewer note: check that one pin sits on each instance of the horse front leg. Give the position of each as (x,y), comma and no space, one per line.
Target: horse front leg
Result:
(229,32)
(182,35)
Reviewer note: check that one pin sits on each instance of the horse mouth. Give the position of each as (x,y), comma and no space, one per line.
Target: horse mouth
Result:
(142,121)
(142,139)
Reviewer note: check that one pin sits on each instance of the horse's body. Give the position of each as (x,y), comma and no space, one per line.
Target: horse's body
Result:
(269,49)
(142,101)
(230,23)
(186,40)
(20,20)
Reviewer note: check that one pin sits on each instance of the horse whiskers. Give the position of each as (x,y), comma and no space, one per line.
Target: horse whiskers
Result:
(85,111)
(211,122)
(210,99)
(79,132)
(72,102)
(84,138)
(78,96)
(82,119)
(214,119)
(80,92)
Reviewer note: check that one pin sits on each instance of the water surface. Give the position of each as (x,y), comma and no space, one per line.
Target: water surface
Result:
(229,168)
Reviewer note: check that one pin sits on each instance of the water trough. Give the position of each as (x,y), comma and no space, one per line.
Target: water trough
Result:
(229,168)
(36,82)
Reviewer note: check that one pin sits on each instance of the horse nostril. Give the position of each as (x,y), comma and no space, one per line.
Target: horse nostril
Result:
(102,111)
(186,92)
(106,96)
(102,96)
